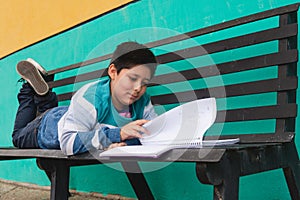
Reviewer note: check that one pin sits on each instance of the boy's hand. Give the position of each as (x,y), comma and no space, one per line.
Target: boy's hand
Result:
(133,129)
(113,145)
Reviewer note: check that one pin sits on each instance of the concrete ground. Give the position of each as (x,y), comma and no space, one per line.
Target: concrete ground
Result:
(19,191)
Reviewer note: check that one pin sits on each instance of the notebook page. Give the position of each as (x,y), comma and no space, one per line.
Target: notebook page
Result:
(185,122)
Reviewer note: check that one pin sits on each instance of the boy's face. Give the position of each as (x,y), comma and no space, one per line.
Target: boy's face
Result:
(129,85)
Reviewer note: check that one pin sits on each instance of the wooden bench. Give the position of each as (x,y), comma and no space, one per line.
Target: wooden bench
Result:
(253,75)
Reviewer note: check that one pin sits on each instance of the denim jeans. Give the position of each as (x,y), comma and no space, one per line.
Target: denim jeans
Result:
(26,122)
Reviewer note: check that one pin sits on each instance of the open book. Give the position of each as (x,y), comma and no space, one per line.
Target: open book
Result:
(181,127)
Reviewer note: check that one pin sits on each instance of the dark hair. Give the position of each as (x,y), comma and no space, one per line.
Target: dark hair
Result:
(131,54)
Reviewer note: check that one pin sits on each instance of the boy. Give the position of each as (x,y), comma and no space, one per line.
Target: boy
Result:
(103,114)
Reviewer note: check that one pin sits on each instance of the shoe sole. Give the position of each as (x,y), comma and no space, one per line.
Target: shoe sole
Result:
(31,74)
(38,66)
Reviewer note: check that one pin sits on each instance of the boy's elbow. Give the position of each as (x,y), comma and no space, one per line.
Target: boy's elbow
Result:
(65,151)
(66,145)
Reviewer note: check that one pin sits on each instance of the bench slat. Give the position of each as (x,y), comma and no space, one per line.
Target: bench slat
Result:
(256,87)
(30,153)
(229,67)
(258,113)
(232,43)
(80,64)
(252,138)
(79,78)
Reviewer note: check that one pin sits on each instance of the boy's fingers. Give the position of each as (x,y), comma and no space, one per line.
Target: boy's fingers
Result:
(136,133)
(113,145)
(132,133)
(143,130)
(134,129)
(121,144)
(141,122)
(139,130)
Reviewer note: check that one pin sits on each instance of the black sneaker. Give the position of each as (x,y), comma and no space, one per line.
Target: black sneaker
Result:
(31,71)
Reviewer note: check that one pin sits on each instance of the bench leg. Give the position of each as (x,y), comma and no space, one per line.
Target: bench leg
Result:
(59,173)
(224,176)
(228,189)
(292,172)
(137,180)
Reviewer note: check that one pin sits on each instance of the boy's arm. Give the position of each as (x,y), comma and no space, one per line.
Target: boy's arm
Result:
(97,139)
(77,134)
(76,129)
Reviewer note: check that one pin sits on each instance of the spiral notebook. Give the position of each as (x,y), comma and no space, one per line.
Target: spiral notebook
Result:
(181,127)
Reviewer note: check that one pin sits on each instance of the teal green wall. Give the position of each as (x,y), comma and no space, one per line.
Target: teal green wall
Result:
(176,181)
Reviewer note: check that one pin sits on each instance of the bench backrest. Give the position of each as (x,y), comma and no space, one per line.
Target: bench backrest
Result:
(249,64)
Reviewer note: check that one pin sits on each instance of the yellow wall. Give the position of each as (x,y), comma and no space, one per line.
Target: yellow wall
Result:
(23,22)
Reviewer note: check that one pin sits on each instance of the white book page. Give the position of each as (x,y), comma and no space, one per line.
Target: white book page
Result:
(154,151)
(186,123)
